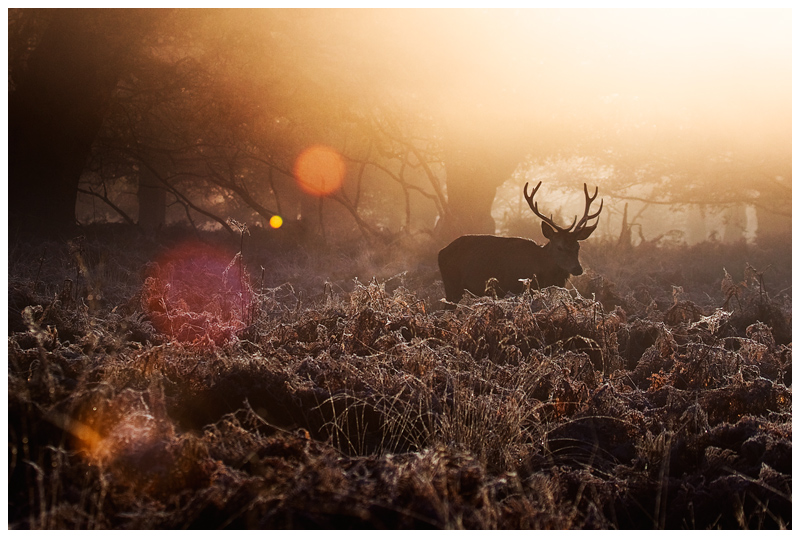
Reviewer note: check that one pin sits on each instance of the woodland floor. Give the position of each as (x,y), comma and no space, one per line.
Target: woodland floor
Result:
(175,384)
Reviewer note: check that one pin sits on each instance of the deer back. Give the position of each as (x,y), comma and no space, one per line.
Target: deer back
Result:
(469,261)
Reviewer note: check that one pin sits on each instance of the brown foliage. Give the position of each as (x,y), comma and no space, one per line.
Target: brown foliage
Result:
(368,406)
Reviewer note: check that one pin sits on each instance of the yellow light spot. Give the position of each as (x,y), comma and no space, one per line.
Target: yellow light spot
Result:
(276,221)
(319,170)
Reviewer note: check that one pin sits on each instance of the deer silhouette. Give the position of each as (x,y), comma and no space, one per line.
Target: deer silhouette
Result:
(469,262)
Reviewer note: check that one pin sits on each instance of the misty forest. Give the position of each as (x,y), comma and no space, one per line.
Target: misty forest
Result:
(394,269)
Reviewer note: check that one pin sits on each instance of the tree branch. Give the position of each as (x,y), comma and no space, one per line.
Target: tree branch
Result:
(110,204)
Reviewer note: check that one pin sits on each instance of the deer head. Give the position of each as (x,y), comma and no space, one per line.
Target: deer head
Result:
(563,246)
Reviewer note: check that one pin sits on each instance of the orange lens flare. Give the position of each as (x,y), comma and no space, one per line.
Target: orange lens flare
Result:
(319,170)
(275,221)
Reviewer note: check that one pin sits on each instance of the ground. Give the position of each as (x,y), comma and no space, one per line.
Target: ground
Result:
(178,383)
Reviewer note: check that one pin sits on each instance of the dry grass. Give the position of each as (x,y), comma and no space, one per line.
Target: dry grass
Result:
(149,389)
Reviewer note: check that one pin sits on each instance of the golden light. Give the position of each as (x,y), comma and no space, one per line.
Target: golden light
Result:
(275,221)
(723,72)
(319,170)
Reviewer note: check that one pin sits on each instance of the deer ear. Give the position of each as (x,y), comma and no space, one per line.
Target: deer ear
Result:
(548,230)
(585,233)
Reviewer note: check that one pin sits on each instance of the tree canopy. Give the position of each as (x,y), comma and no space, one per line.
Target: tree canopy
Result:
(431,110)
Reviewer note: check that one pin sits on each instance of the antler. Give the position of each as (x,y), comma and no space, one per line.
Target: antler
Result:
(580,224)
(535,208)
(586,216)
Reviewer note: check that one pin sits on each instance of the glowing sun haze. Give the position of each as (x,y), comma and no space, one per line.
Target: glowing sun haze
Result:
(483,70)
(632,85)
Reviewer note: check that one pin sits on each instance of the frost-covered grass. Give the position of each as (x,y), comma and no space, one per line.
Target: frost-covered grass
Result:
(172,385)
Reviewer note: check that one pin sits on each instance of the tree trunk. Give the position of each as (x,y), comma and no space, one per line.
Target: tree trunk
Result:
(55,113)
(473,176)
(152,201)
(735,219)
(625,241)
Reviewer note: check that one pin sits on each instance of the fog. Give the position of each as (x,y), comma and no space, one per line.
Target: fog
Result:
(251,282)
(445,114)
(709,91)
(725,72)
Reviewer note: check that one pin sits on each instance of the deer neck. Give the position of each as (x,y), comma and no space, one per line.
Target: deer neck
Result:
(550,267)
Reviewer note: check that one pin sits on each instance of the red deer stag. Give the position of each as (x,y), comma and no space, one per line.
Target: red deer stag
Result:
(471,260)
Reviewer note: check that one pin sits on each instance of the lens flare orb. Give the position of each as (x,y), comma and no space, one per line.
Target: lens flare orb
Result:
(319,170)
